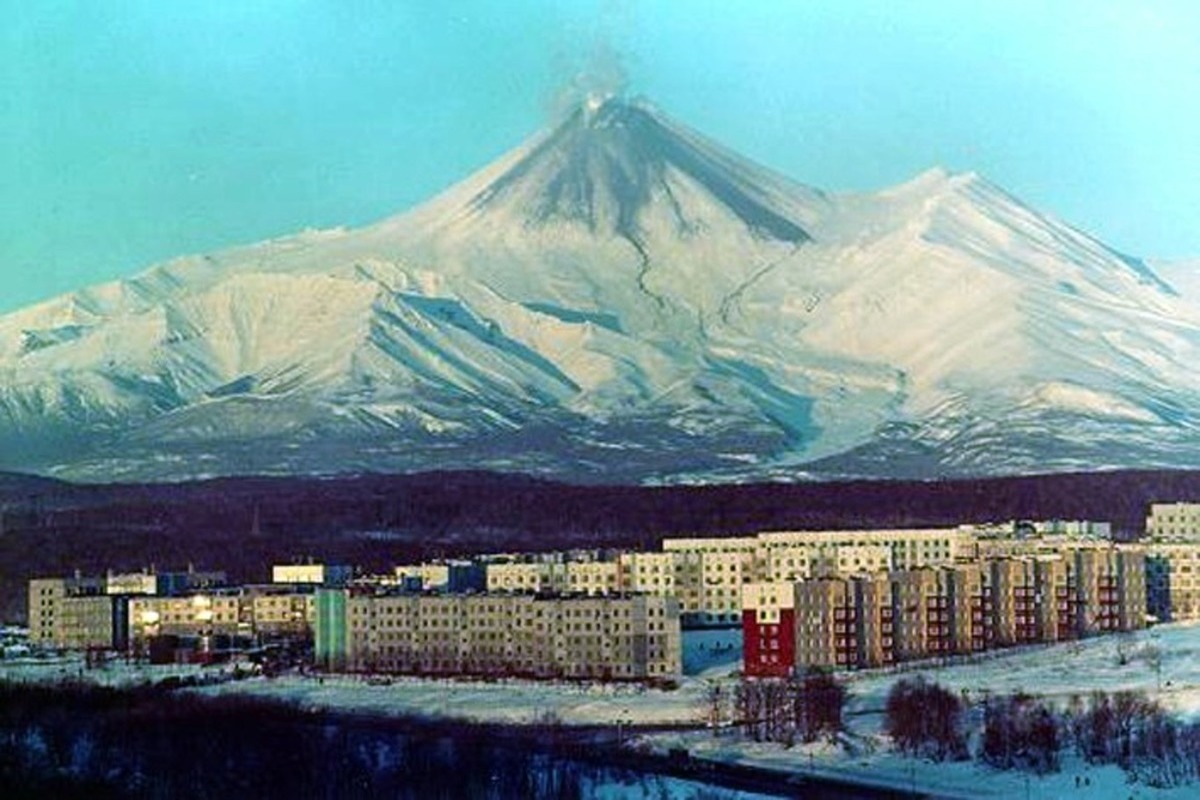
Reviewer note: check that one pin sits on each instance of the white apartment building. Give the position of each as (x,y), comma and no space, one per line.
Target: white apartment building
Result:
(527,576)
(193,615)
(620,637)
(652,573)
(312,574)
(910,547)
(1173,580)
(1174,522)
(46,600)
(430,575)
(848,559)
(593,577)
(145,582)
(725,565)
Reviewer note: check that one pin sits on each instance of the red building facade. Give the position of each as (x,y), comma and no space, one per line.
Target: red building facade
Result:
(768,630)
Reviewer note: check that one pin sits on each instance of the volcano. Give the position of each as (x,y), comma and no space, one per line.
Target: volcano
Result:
(621,299)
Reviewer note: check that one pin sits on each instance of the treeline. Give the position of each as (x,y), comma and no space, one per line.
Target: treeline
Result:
(925,719)
(86,741)
(1023,732)
(784,710)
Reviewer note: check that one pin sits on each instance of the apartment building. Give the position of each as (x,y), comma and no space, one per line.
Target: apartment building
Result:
(786,564)
(265,612)
(47,624)
(526,576)
(604,636)
(939,611)
(909,548)
(1110,585)
(1033,599)
(312,574)
(92,621)
(279,612)
(81,612)
(1173,522)
(593,577)
(769,628)
(212,613)
(847,559)
(845,621)
(459,575)
(884,617)
(1173,580)
(650,573)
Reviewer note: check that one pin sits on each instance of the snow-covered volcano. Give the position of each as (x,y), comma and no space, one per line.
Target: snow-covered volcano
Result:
(621,299)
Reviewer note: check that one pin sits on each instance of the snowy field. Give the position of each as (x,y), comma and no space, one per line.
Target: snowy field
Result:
(1110,663)
(116,673)
(1055,672)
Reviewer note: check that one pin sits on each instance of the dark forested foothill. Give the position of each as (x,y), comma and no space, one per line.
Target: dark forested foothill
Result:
(242,525)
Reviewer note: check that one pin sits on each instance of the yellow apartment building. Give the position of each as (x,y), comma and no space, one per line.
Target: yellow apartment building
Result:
(573,636)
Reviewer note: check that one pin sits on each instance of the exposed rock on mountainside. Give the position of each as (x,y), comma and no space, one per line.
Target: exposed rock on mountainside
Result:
(621,299)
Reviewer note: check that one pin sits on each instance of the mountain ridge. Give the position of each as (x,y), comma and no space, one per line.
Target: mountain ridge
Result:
(621,299)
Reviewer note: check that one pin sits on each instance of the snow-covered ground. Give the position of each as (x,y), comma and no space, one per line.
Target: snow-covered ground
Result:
(1055,672)
(116,673)
(1110,663)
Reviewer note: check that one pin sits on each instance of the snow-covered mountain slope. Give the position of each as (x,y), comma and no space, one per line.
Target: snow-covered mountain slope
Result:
(622,299)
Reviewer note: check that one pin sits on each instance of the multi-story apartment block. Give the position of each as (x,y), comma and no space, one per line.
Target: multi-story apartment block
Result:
(939,611)
(655,573)
(909,547)
(725,565)
(1173,580)
(212,613)
(1174,522)
(872,619)
(92,621)
(571,636)
(279,612)
(593,577)
(786,564)
(527,576)
(312,574)
(46,599)
(1110,582)
(92,612)
(769,628)
(1033,599)
(722,578)
(263,612)
(827,622)
(847,559)
(459,575)
(845,622)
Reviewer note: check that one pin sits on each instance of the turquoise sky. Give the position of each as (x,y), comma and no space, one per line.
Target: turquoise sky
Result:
(134,131)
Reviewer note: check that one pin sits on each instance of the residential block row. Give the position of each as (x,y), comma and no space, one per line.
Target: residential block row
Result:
(609,637)
(882,618)
(852,598)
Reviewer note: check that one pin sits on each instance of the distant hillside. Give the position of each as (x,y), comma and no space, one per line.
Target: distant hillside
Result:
(243,525)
